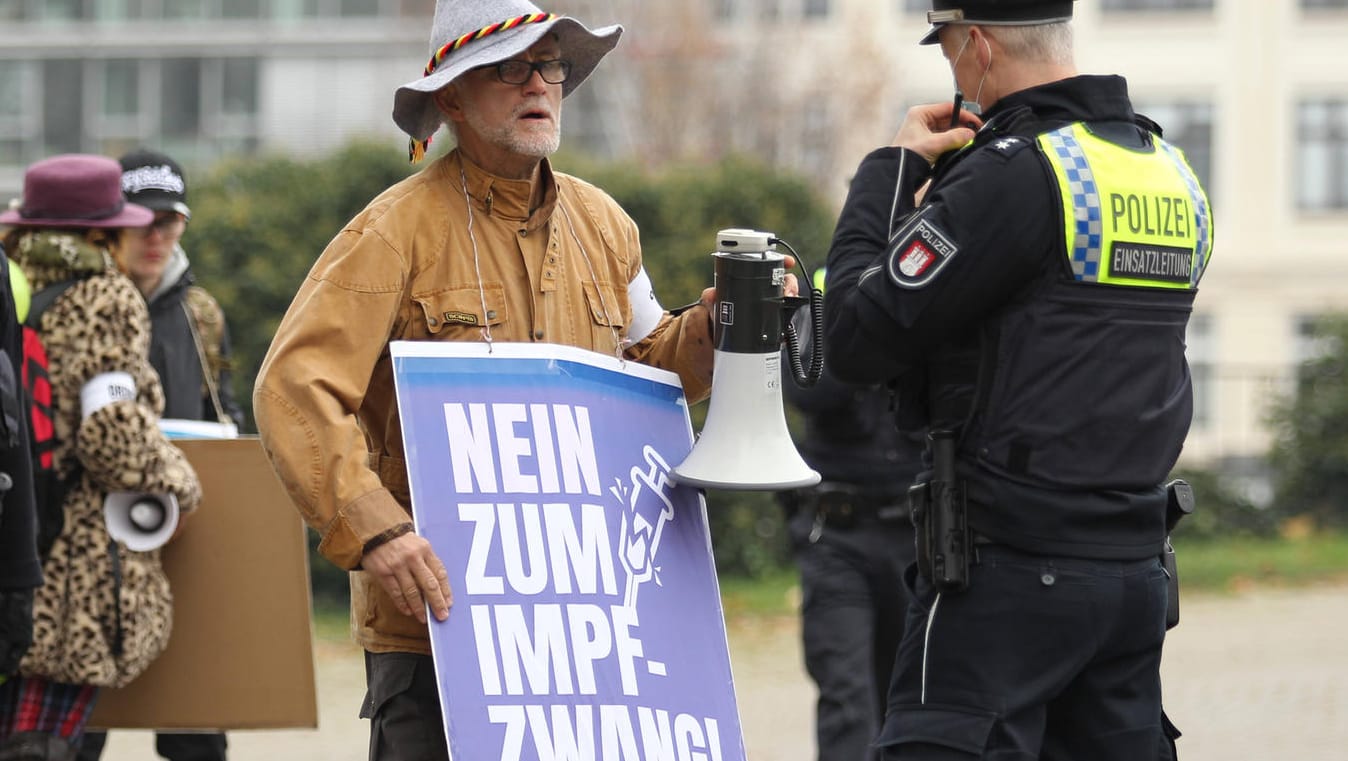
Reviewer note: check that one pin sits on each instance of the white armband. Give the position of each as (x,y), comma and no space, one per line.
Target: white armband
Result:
(104,389)
(646,309)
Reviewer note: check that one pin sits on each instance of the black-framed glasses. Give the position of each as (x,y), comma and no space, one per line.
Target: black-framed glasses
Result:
(516,72)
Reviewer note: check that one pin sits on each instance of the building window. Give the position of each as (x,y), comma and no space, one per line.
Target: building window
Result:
(17,124)
(1188,126)
(62,107)
(184,9)
(360,8)
(238,89)
(62,10)
(1156,5)
(815,9)
(724,10)
(1322,155)
(1308,343)
(417,9)
(816,133)
(240,9)
(1199,351)
(124,10)
(180,96)
(121,88)
(196,108)
(203,9)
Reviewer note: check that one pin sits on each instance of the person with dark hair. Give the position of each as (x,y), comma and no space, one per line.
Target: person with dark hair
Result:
(104,610)
(1029,274)
(189,349)
(189,344)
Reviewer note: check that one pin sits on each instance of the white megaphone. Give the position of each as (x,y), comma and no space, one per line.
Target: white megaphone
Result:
(745,444)
(142,522)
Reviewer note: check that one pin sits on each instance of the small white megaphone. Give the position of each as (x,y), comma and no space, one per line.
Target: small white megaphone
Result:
(745,444)
(142,522)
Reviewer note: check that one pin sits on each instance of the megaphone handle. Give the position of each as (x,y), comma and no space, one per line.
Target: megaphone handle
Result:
(806,378)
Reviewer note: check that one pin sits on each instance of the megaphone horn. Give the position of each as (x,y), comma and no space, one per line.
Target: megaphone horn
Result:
(142,522)
(745,444)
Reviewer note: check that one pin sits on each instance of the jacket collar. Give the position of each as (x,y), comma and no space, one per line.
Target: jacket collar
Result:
(173,274)
(1080,98)
(505,198)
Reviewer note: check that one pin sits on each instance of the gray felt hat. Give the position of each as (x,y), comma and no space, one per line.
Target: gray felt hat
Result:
(467,34)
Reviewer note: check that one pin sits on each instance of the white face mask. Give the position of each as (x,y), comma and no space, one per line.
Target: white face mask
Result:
(972,106)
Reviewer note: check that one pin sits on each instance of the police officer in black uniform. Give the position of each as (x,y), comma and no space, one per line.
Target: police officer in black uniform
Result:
(20,564)
(1036,268)
(852,539)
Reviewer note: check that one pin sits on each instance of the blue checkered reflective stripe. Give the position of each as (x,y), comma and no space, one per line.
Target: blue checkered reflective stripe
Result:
(1202,219)
(1086,248)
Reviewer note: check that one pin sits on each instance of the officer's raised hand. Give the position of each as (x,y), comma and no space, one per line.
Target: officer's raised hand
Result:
(926,130)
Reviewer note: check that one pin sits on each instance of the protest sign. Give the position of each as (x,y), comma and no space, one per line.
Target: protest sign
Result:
(587,620)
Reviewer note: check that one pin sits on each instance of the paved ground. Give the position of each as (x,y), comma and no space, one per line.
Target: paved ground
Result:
(1262,674)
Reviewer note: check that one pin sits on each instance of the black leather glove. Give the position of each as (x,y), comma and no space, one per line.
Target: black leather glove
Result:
(16,628)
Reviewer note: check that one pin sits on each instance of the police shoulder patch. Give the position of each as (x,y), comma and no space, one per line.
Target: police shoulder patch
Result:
(919,255)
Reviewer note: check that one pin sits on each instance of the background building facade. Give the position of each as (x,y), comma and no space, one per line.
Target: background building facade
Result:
(1250,89)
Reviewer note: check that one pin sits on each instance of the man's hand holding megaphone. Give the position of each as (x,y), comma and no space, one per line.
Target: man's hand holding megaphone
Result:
(790,287)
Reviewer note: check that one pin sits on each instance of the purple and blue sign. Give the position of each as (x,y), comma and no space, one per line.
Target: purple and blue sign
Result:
(587,619)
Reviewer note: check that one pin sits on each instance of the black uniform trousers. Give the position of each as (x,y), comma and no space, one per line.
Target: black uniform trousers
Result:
(402,703)
(174,746)
(853,604)
(1040,658)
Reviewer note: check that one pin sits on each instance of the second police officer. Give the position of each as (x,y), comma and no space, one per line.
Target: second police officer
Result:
(1036,268)
(852,539)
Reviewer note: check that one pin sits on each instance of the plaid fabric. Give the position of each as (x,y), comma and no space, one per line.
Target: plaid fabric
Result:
(29,704)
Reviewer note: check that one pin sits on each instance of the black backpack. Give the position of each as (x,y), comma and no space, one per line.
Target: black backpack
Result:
(49,490)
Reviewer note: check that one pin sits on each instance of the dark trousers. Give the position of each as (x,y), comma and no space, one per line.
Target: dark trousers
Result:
(174,746)
(1040,658)
(852,615)
(403,706)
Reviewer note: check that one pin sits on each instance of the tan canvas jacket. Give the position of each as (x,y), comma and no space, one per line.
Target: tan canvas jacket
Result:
(421,263)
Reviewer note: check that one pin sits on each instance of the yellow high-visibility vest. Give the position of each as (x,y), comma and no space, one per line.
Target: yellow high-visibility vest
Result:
(1132,217)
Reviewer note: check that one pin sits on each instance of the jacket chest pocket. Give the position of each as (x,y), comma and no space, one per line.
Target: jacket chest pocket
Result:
(606,315)
(458,314)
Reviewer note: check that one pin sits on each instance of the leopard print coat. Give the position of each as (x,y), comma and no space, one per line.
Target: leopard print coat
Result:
(104,612)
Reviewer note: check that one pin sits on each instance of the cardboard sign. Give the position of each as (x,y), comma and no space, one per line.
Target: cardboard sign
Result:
(587,621)
(241,654)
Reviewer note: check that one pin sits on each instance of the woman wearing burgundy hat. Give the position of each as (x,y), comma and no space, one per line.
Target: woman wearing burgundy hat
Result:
(104,611)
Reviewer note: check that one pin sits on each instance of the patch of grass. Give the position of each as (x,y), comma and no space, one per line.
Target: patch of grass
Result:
(1231,564)
(1205,567)
(332,622)
(773,594)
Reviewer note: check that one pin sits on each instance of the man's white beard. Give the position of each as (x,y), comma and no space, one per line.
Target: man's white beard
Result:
(510,136)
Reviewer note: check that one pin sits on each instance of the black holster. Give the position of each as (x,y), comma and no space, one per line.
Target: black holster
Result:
(940,517)
(1179,503)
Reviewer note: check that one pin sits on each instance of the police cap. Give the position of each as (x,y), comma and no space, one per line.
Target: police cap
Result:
(994,13)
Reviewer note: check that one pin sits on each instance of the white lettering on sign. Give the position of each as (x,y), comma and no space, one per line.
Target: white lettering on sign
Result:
(568,733)
(557,549)
(518,656)
(521,449)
